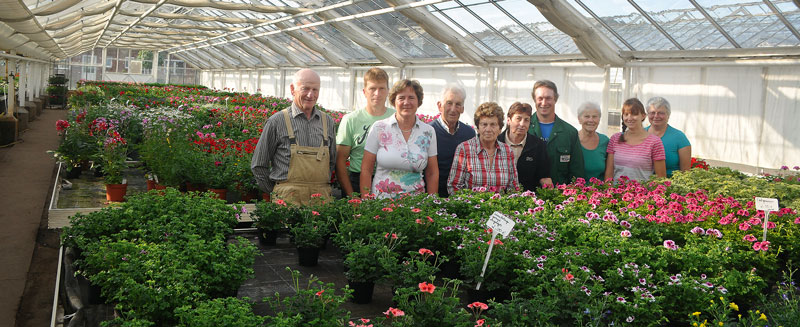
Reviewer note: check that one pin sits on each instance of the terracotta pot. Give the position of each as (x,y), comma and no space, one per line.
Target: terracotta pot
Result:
(116,192)
(265,196)
(151,184)
(221,193)
(249,196)
(192,187)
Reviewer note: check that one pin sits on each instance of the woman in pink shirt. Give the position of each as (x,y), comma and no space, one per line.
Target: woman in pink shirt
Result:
(634,152)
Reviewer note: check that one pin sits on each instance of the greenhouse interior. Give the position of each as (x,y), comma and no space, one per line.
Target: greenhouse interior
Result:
(236,162)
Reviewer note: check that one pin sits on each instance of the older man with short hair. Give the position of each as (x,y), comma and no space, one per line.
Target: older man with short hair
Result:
(296,152)
(450,132)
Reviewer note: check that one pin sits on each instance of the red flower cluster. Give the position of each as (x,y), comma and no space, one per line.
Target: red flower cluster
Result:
(424,287)
(699,163)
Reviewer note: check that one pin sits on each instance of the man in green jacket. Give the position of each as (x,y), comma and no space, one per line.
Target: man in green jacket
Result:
(563,144)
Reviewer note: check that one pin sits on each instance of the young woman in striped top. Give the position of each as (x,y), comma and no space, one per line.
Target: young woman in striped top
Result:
(634,152)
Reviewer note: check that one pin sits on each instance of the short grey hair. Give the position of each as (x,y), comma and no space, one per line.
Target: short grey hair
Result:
(454,88)
(658,102)
(588,105)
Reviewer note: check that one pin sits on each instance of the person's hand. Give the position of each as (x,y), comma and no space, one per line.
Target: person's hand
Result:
(546,182)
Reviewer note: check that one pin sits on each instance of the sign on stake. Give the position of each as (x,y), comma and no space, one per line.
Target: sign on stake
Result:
(767,205)
(499,224)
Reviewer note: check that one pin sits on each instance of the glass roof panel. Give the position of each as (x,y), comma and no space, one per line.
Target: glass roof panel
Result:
(327,34)
(297,48)
(398,31)
(463,21)
(685,24)
(257,46)
(629,24)
(752,24)
(534,21)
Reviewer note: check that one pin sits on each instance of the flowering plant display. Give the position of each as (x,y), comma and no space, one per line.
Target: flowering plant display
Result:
(369,261)
(272,215)
(308,228)
(113,156)
(313,304)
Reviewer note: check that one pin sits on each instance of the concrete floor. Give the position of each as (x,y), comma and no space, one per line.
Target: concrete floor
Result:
(29,250)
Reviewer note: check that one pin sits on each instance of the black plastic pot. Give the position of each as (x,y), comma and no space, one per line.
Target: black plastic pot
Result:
(498,295)
(267,237)
(307,257)
(74,173)
(362,291)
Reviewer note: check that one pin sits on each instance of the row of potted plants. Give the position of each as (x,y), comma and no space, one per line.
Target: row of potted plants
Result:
(182,134)
(591,252)
(159,254)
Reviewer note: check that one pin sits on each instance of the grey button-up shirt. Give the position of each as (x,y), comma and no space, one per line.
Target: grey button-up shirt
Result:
(270,163)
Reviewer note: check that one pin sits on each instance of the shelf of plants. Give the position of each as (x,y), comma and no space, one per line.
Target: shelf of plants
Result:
(664,253)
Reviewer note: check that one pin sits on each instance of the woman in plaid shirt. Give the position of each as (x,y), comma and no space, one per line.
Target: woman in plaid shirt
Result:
(483,163)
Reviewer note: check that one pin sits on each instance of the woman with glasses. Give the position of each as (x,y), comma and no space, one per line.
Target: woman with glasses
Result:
(677,148)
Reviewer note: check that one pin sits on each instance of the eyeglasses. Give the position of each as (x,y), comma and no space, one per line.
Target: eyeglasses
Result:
(656,113)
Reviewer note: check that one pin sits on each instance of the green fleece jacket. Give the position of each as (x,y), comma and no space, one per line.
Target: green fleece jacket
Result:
(563,150)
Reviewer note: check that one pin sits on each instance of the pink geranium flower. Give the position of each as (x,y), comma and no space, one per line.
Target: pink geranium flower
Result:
(749,238)
(670,244)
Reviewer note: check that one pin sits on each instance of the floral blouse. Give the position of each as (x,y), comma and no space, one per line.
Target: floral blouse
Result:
(399,164)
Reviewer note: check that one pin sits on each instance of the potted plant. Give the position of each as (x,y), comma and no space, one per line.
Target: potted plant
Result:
(228,311)
(270,219)
(112,158)
(314,304)
(365,264)
(308,233)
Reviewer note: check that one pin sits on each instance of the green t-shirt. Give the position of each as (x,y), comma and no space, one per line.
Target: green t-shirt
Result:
(594,161)
(353,132)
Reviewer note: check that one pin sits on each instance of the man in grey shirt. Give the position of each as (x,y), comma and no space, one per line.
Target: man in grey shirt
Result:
(296,152)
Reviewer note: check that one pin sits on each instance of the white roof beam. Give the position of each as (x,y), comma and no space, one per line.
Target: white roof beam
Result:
(54,7)
(325,50)
(268,23)
(202,62)
(187,26)
(266,61)
(461,47)
(242,61)
(201,18)
(230,6)
(229,62)
(357,35)
(114,12)
(202,34)
(715,24)
(283,51)
(191,61)
(596,46)
(137,21)
(783,19)
(70,18)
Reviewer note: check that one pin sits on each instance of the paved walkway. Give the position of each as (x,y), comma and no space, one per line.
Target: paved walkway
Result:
(28,266)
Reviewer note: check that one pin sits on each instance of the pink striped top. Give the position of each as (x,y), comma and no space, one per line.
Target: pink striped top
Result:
(635,161)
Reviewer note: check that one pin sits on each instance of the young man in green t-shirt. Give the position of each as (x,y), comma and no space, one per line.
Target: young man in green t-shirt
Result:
(354,128)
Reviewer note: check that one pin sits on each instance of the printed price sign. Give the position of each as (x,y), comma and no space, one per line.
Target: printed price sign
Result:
(500,223)
(767,204)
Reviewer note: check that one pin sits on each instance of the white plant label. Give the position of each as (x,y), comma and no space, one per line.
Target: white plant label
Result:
(500,224)
(767,205)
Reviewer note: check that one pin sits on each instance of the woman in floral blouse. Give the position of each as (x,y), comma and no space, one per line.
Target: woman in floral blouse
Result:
(403,147)
(482,162)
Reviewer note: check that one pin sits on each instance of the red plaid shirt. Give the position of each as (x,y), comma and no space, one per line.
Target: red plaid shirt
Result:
(471,168)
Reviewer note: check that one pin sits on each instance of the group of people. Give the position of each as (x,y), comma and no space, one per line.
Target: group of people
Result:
(387,151)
